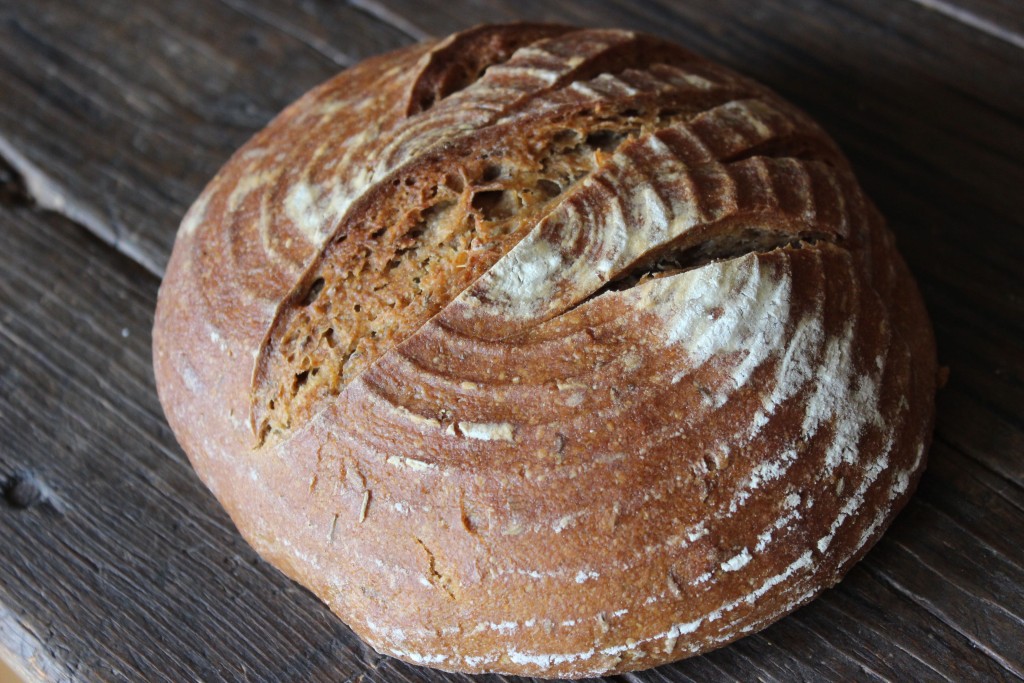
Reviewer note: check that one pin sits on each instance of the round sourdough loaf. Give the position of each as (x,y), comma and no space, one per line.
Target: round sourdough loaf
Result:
(547,351)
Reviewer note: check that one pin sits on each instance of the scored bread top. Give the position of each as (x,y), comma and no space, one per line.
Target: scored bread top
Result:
(547,351)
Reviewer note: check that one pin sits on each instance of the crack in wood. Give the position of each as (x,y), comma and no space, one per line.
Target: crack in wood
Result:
(336,57)
(391,18)
(855,662)
(985,546)
(987,467)
(28,186)
(869,626)
(929,607)
(968,18)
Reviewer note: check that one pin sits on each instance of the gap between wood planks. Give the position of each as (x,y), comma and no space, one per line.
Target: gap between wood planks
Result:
(322,47)
(940,616)
(976,21)
(393,19)
(24,185)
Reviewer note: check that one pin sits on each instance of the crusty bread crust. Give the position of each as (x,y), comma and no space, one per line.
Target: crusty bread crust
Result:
(662,380)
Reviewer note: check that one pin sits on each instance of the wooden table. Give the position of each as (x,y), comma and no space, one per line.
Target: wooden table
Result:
(115,562)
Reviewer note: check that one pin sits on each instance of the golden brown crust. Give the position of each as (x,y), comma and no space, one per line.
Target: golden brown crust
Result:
(684,395)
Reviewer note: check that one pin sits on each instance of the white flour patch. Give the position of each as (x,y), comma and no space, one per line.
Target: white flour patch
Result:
(522,282)
(842,396)
(315,209)
(769,470)
(487,431)
(737,562)
(683,628)
(728,307)
(410,463)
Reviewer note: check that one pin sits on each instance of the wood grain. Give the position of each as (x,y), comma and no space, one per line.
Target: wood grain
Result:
(124,110)
(118,565)
(1001,19)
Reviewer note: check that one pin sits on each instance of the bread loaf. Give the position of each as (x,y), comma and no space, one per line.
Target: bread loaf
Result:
(547,351)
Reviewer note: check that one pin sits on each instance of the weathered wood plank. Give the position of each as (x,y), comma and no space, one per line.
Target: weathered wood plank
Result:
(112,535)
(1001,19)
(126,109)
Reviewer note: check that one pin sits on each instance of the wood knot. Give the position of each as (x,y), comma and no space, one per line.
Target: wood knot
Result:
(23,490)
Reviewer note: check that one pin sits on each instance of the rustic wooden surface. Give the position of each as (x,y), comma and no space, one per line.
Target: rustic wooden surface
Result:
(116,564)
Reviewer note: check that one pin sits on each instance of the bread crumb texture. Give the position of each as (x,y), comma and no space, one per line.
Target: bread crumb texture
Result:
(547,351)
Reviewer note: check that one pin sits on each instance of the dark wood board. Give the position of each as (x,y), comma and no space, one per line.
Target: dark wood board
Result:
(116,564)
(121,111)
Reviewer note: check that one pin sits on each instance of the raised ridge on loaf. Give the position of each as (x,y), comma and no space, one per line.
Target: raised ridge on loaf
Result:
(547,351)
